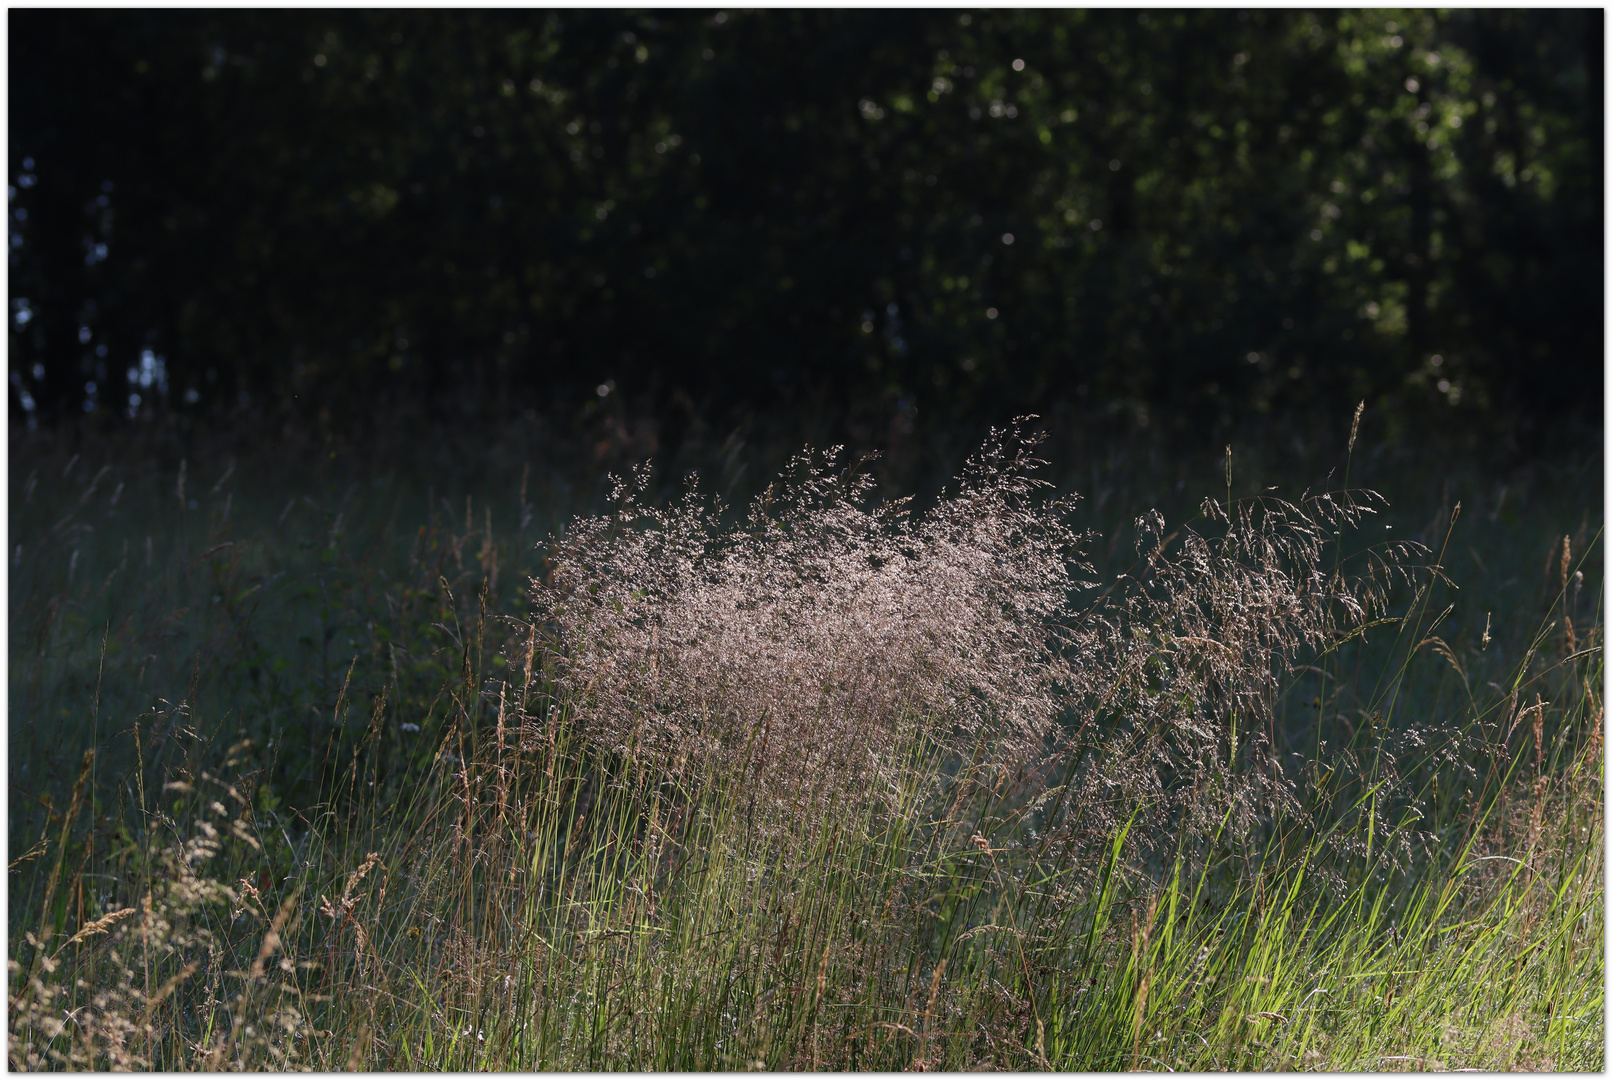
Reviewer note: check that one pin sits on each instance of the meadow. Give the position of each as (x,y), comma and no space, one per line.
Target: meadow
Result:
(1278,759)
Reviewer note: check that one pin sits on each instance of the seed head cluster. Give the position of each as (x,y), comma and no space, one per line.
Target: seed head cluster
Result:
(814,641)
(1182,661)
(815,644)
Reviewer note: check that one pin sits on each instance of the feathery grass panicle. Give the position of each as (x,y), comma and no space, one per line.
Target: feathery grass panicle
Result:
(812,643)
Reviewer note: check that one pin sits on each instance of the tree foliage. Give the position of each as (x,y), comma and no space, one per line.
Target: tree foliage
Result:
(1185,217)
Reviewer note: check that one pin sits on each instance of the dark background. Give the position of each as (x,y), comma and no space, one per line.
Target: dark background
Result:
(1192,222)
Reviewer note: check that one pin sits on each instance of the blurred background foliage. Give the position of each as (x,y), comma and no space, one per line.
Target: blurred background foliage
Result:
(870,221)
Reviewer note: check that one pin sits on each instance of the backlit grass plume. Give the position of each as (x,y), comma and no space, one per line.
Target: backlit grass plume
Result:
(811,647)
(811,643)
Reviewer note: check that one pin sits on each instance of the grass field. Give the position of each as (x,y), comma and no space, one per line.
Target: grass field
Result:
(305,773)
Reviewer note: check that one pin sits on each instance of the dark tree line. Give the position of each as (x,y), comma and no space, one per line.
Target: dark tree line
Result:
(1186,217)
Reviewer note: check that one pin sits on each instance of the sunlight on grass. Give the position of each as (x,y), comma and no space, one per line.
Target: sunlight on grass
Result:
(833,784)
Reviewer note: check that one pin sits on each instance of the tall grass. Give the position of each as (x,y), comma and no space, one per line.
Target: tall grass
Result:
(828,784)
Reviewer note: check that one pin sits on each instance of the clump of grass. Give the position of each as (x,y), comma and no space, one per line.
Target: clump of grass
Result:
(166,983)
(822,640)
(811,646)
